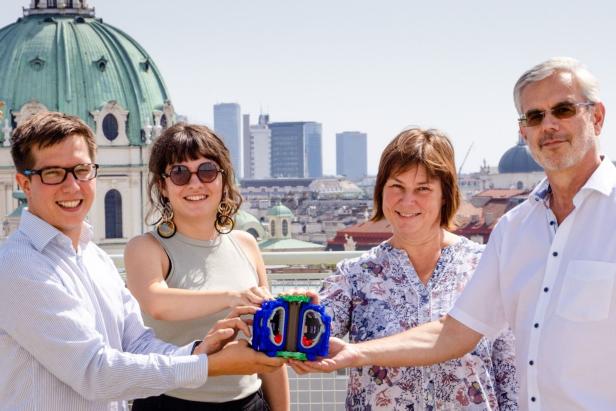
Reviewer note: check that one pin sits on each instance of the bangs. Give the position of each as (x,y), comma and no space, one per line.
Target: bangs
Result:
(186,146)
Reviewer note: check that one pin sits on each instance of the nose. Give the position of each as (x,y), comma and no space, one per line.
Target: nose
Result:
(70,183)
(550,122)
(194,179)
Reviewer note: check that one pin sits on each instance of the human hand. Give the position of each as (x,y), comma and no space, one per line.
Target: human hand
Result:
(238,358)
(254,296)
(341,355)
(226,330)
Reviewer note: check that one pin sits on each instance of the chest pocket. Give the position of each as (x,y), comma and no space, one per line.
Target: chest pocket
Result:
(587,291)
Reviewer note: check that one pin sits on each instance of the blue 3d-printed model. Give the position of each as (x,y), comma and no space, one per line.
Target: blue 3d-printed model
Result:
(291,327)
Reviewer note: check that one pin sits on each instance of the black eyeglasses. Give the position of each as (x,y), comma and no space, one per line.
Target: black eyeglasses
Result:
(561,111)
(57,175)
(206,172)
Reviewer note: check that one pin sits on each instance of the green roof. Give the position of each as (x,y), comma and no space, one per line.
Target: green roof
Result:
(76,64)
(288,244)
(280,211)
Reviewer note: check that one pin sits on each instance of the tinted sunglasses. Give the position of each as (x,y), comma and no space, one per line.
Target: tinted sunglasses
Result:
(561,111)
(180,174)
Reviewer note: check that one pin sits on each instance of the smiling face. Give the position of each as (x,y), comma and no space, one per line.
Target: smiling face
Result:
(559,144)
(64,205)
(412,203)
(195,199)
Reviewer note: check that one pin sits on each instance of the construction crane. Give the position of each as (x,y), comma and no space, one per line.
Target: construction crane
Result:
(465,157)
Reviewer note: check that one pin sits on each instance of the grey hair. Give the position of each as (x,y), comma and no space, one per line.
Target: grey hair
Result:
(587,81)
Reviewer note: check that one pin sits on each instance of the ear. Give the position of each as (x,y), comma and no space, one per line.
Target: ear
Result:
(522,131)
(162,188)
(598,117)
(25,184)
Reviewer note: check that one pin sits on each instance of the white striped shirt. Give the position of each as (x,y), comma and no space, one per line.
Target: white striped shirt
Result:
(71,335)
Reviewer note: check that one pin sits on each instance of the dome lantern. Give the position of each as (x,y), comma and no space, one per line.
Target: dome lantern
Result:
(79,7)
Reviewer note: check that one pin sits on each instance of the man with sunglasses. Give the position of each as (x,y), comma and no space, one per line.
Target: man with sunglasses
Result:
(71,335)
(549,269)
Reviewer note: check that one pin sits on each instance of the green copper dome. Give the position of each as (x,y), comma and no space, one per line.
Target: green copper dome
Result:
(62,58)
(280,211)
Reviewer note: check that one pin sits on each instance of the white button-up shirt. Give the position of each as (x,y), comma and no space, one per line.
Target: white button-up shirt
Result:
(71,335)
(555,286)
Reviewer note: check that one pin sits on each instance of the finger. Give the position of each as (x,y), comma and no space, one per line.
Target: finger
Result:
(266,292)
(242,310)
(300,367)
(236,323)
(261,292)
(314,297)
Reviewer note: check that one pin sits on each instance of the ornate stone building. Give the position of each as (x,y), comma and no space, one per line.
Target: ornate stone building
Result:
(59,56)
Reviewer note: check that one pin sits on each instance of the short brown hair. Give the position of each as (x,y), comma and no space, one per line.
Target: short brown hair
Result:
(430,149)
(44,130)
(182,142)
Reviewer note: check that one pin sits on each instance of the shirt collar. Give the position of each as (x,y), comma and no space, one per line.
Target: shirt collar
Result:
(603,180)
(41,233)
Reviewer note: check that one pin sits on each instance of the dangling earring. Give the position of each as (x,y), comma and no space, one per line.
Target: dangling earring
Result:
(224,222)
(166,228)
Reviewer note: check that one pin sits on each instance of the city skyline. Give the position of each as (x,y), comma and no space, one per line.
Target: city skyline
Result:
(363,66)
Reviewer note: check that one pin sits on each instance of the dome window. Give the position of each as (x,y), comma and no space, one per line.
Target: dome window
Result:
(37,63)
(285,228)
(101,63)
(110,127)
(163,122)
(145,65)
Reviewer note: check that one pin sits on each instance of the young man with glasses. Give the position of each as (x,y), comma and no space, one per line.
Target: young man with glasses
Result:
(71,335)
(549,269)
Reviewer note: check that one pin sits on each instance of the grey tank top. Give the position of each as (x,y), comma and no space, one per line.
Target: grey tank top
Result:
(219,264)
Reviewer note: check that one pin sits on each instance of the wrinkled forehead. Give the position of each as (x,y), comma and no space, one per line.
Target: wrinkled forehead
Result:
(559,87)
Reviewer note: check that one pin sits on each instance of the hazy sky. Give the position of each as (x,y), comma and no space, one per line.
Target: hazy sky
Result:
(376,67)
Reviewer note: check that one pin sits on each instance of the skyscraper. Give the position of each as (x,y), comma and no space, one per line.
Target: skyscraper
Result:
(257,147)
(227,124)
(352,154)
(296,149)
(312,132)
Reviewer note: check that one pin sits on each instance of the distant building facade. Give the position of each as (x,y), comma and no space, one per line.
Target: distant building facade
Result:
(257,146)
(227,124)
(352,154)
(296,150)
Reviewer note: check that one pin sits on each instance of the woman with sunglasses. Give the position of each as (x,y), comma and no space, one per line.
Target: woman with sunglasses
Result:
(192,268)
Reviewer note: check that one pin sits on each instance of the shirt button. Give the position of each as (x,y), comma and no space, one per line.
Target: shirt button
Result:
(552,222)
(533,399)
(555,254)
(536,325)
(531,362)
(546,289)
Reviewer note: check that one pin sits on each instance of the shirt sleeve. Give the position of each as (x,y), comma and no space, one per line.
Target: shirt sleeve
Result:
(505,376)
(480,306)
(335,295)
(59,331)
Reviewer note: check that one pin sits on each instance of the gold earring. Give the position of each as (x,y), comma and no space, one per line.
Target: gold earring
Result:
(224,222)
(166,227)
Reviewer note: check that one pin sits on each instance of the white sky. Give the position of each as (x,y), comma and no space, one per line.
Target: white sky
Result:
(376,67)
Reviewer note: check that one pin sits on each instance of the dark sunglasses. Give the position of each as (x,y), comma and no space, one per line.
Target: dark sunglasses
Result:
(206,172)
(561,111)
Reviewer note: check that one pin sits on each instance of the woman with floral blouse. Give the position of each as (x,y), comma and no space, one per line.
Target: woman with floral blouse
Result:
(414,278)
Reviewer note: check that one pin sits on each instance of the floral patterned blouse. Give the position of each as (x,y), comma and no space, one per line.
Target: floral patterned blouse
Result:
(379,294)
